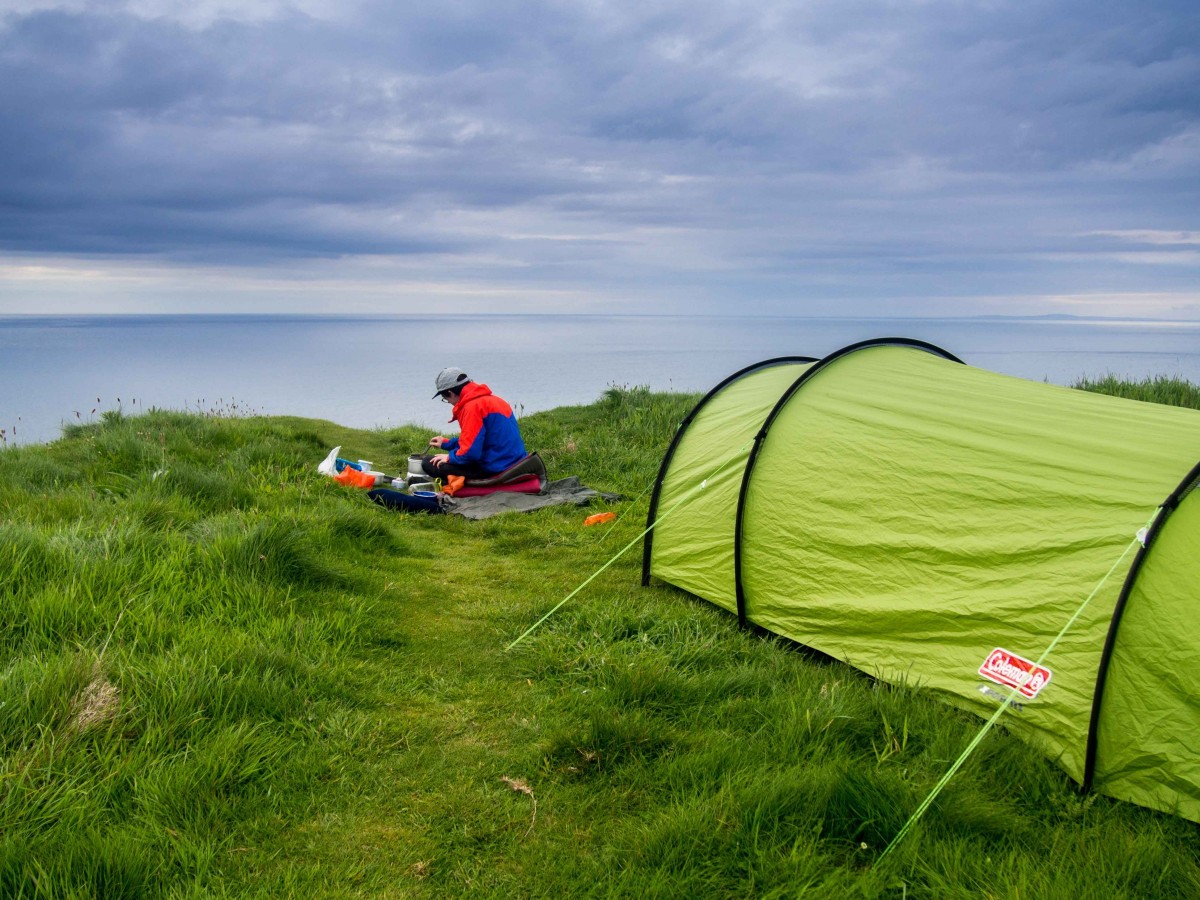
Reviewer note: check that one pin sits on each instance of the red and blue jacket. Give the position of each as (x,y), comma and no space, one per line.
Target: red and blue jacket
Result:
(488,433)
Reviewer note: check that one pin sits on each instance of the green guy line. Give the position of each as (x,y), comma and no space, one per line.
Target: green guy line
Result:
(987,726)
(687,496)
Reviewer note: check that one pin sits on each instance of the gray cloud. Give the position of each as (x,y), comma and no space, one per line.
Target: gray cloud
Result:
(820,149)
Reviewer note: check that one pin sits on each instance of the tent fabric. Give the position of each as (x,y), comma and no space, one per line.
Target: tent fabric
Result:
(910,515)
(1149,721)
(698,547)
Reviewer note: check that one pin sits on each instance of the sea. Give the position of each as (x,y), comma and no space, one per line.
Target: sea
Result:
(378,371)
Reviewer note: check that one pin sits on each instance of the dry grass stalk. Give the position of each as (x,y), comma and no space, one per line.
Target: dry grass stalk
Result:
(522,787)
(96,704)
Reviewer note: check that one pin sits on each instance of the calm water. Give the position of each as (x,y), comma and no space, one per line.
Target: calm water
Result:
(367,372)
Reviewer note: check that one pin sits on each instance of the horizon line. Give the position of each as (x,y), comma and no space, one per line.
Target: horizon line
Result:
(584,315)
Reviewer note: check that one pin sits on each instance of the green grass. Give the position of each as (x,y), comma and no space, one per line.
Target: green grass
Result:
(224,675)
(1162,389)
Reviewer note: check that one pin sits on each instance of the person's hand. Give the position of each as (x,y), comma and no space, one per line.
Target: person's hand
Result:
(440,460)
(437,441)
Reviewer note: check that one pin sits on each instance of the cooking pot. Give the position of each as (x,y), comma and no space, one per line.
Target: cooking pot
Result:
(414,465)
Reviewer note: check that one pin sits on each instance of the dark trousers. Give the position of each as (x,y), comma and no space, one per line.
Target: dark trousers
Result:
(467,470)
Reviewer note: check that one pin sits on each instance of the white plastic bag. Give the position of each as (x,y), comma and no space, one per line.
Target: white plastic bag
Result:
(329,466)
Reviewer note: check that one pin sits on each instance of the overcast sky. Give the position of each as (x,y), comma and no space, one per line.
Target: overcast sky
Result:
(834,157)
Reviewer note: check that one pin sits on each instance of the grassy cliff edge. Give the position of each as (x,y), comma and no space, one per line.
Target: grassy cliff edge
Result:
(225,675)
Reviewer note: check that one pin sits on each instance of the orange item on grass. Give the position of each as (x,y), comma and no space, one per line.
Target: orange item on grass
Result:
(453,483)
(354,478)
(600,518)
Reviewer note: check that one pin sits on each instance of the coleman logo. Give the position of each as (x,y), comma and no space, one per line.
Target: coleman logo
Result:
(1014,671)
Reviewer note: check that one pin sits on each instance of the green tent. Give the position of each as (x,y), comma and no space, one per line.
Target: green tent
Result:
(933,523)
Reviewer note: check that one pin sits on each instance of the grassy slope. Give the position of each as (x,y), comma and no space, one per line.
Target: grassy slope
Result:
(224,675)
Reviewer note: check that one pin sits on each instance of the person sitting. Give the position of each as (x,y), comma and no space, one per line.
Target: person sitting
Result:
(489,440)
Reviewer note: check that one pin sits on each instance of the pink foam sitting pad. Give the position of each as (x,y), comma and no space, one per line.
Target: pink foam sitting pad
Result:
(531,484)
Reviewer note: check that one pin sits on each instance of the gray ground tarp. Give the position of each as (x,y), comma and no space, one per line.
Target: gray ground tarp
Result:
(562,492)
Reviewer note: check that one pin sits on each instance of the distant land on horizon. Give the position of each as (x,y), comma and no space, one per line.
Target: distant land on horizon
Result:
(218,316)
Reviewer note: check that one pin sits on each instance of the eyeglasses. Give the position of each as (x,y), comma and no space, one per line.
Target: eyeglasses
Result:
(446,398)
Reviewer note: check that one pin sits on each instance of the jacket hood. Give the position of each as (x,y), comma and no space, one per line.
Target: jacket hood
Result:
(471,391)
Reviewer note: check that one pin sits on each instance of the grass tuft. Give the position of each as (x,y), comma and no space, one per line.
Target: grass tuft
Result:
(96,704)
(1168,390)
